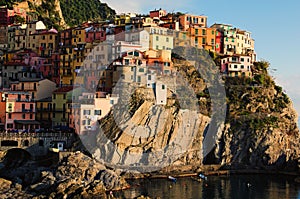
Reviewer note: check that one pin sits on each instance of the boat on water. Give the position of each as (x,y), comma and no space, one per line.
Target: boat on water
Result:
(172,178)
(202,176)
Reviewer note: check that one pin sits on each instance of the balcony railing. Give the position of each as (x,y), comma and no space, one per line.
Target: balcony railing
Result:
(20,100)
(44,109)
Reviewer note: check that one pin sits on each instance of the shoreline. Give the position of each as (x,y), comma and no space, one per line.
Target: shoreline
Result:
(214,173)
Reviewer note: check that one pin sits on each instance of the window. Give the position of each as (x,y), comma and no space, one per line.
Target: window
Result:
(126,61)
(54,96)
(157,38)
(31,116)
(203,32)
(41,142)
(23,116)
(242,66)
(9,115)
(163,87)
(97,112)
(235,66)
(196,31)
(64,96)
(141,70)
(242,59)
(149,77)
(167,39)
(83,122)
(86,112)
(212,32)
(9,126)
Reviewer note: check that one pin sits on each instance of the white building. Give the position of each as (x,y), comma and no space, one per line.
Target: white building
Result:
(139,37)
(161,93)
(237,65)
(92,107)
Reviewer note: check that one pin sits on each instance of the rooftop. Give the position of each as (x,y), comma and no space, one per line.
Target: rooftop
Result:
(64,89)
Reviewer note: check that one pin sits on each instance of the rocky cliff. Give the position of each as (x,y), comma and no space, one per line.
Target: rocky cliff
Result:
(75,176)
(258,132)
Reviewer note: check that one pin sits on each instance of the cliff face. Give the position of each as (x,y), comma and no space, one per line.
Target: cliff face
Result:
(260,130)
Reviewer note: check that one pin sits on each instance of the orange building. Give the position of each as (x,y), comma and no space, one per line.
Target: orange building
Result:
(186,21)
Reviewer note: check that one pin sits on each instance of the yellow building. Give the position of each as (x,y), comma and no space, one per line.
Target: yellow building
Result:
(123,19)
(60,99)
(66,76)
(72,54)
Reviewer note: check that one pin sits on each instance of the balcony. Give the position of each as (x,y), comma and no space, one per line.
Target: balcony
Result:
(44,109)
(21,110)
(27,110)
(20,100)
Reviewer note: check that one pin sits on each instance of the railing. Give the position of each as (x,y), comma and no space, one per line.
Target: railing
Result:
(20,100)
(44,109)
(41,134)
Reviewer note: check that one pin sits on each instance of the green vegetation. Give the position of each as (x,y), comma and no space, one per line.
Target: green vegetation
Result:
(19,19)
(9,3)
(77,11)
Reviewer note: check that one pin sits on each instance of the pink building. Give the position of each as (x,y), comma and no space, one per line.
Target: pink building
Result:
(95,34)
(20,111)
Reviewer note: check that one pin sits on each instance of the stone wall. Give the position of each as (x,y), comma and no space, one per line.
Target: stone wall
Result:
(37,144)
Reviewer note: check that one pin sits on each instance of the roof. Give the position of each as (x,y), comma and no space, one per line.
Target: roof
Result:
(47,99)
(64,89)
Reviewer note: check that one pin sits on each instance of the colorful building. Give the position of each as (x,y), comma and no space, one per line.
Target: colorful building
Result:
(186,21)
(20,111)
(160,38)
(237,66)
(44,112)
(158,13)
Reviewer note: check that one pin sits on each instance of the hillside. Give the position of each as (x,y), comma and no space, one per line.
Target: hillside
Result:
(259,132)
(77,11)
(62,13)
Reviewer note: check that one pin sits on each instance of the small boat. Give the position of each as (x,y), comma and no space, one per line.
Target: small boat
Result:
(172,178)
(202,176)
